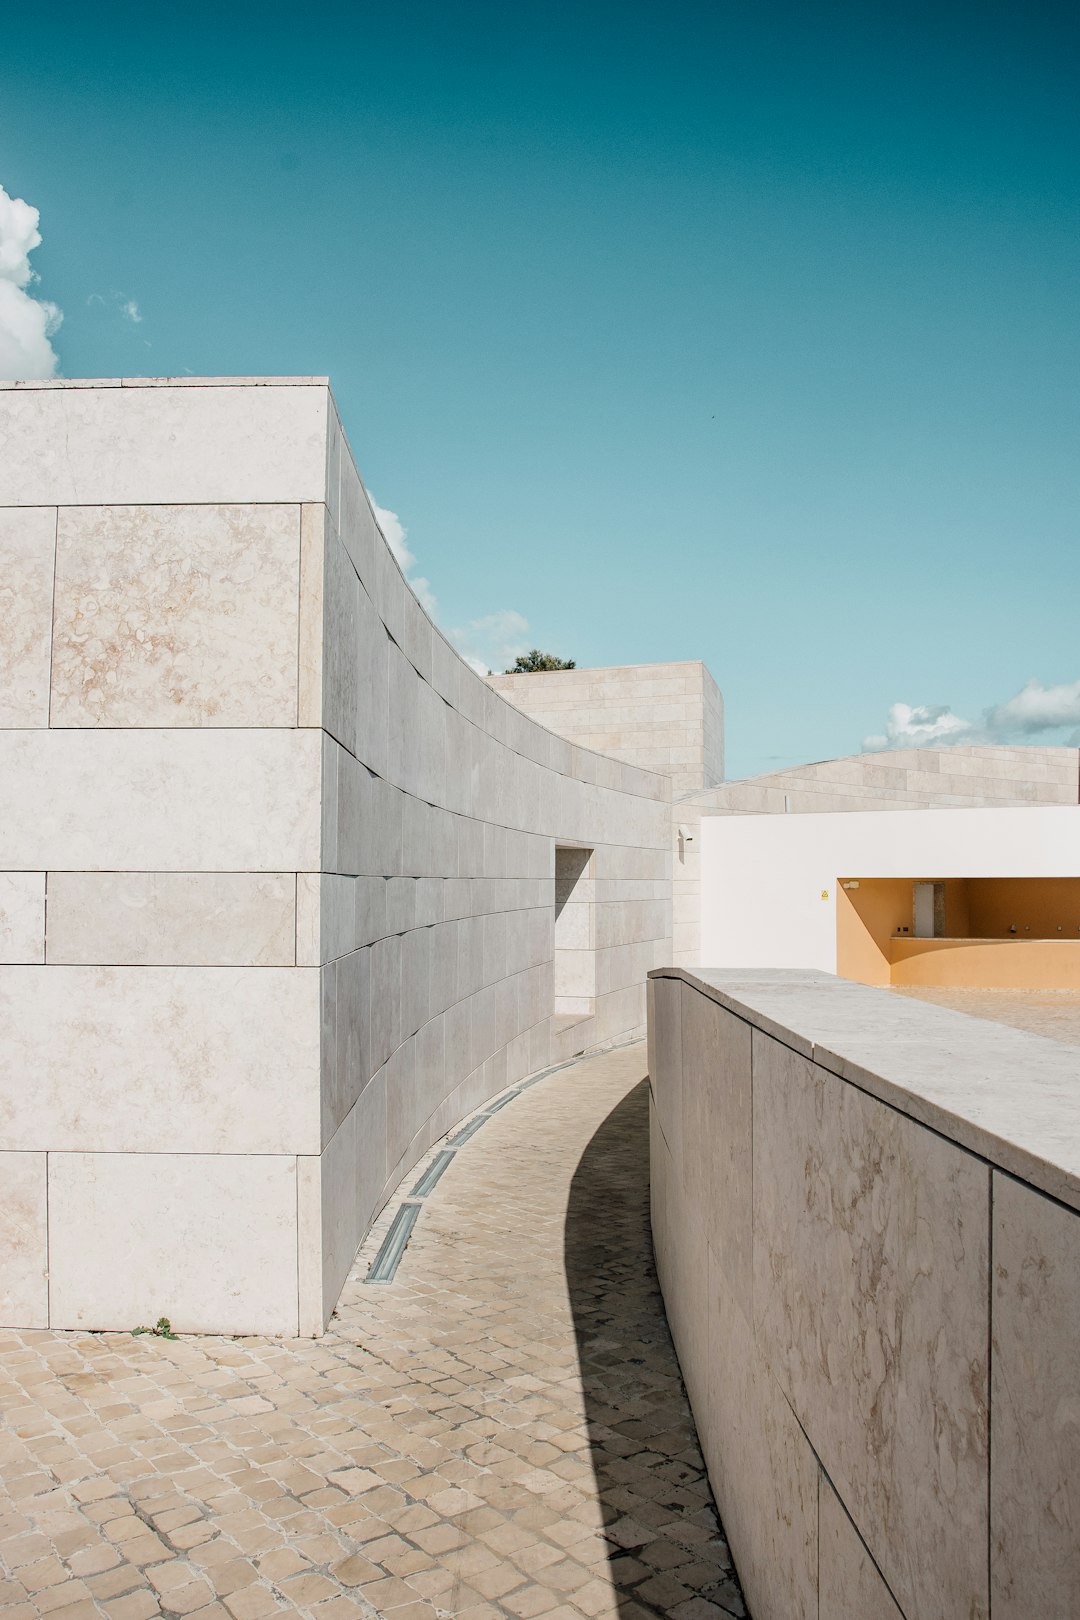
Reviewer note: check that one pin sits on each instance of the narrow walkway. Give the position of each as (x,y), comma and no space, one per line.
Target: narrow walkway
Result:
(500,1431)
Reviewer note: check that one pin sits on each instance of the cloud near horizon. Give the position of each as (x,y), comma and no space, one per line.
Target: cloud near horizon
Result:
(490,643)
(27,324)
(1027,716)
(487,643)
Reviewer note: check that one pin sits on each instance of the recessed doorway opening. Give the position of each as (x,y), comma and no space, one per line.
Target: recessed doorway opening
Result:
(575,932)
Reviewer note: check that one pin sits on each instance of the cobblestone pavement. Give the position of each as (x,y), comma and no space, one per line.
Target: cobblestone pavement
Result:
(501,1431)
(1054,1013)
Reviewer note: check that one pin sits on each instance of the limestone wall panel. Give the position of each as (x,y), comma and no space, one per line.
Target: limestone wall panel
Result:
(899,1312)
(193,919)
(176,616)
(181,800)
(165,1214)
(870,1307)
(184,444)
(24,1240)
(22,917)
(27,551)
(159,1059)
(851,1586)
(1035,1434)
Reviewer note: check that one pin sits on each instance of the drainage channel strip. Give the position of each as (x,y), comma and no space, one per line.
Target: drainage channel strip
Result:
(386,1261)
(393,1245)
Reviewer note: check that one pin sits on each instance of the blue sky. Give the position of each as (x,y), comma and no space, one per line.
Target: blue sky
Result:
(741,333)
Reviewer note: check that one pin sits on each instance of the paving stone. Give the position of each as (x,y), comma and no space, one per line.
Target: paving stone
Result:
(500,1431)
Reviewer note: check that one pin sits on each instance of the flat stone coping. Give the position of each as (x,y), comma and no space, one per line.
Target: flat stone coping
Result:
(36,384)
(1009,1096)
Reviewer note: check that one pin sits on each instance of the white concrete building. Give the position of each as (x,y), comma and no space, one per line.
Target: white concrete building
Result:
(855,894)
(911,779)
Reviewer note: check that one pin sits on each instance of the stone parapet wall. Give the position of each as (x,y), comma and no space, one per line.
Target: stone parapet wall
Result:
(276,868)
(866,1215)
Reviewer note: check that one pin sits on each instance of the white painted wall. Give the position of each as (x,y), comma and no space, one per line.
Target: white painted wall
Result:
(763,876)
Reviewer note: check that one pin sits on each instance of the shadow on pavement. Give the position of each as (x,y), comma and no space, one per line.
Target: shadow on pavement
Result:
(667,1552)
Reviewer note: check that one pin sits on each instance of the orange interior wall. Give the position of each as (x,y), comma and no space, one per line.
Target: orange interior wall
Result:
(866,919)
(987,964)
(976,910)
(957,908)
(1043,908)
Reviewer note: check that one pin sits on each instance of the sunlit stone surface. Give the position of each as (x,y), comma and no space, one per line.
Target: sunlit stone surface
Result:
(276,867)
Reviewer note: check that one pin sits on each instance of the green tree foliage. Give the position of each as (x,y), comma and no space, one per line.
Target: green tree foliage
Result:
(529,663)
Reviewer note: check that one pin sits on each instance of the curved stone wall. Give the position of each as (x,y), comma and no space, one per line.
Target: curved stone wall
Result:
(277,891)
(442,807)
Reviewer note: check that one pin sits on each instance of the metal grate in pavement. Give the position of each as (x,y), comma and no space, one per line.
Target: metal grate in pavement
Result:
(385,1262)
(431,1175)
(393,1246)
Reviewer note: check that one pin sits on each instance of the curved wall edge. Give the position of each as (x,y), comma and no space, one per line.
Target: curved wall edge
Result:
(277,868)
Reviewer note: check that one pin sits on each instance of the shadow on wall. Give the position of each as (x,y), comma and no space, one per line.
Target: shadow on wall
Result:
(666,1542)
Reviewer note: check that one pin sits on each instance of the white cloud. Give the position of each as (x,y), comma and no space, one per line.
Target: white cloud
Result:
(922,726)
(492,642)
(1029,714)
(393,532)
(1037,708)
(487,643)
(127,307)
(396,536)
(26,323)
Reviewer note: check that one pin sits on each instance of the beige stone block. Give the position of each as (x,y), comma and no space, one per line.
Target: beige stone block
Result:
(575,973)
(136,1236)
(761,1466)
(870,1305)
(338,1198)
(341,635)
(372,718)
(666,1064)
(1035,1406)
(313,544)
(197,919)
(717,1135)
(385,992)
(27,548)
(309,919)
(574,927)
(22,917)
(405,1110)
(687,1297)
(631,920)
(155,1059)
(337,453)
(24,1244)
(174,444)
(348,1062)
(850,1586)
(176,616)
(356,523)
(390,591)
(160,801)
